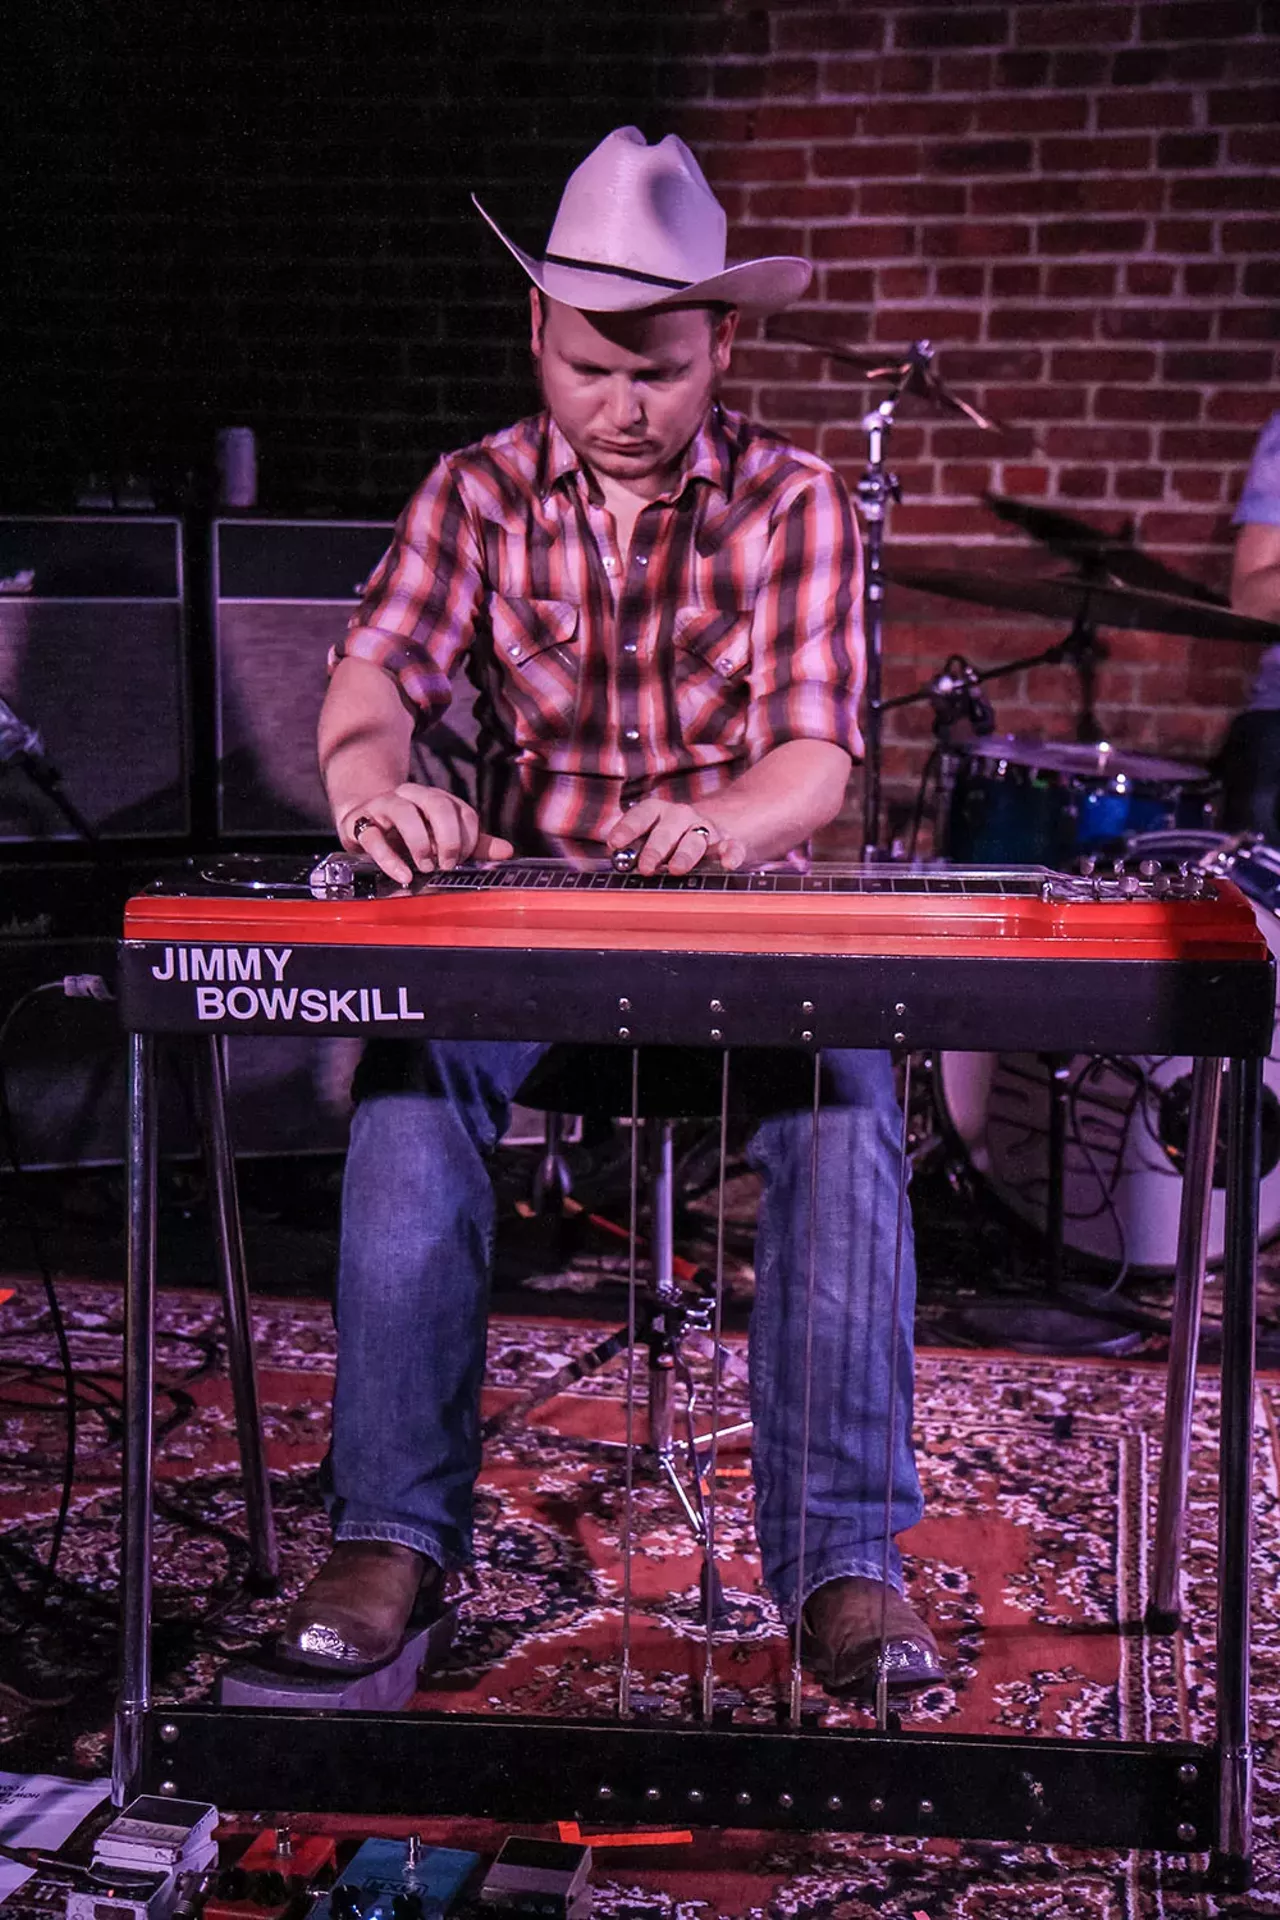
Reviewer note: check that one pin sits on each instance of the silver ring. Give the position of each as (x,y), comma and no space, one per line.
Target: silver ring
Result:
(705,830)
(362,825)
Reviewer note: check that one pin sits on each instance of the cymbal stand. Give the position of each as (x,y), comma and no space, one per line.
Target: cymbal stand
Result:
(1086,653)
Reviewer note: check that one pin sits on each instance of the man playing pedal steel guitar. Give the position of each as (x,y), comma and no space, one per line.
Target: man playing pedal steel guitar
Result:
(658,603)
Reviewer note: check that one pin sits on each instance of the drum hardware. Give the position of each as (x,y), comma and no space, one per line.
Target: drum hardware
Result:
(1066,803)
(911,376)
(1128,1114)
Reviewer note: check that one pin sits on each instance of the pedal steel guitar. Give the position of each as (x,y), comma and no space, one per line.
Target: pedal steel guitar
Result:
(1016,960)
(840,956)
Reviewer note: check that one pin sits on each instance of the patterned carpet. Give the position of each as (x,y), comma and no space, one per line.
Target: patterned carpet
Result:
(1035,1551)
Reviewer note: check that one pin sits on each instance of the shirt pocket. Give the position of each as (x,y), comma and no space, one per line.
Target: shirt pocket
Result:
(538,659)
(712,673)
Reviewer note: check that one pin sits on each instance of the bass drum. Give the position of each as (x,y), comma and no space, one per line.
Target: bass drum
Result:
(1126,1116)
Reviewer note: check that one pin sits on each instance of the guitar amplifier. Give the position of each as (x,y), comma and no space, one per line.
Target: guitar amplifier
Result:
(93,657)
(283,593)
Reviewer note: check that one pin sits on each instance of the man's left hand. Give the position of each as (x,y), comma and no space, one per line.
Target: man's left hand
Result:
(675,837)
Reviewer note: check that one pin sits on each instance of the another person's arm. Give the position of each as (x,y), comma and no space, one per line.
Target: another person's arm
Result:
(1255,570)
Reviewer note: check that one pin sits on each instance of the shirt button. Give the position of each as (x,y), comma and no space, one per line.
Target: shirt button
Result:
(642,559)
(628,646)
(514,652)
(632,734)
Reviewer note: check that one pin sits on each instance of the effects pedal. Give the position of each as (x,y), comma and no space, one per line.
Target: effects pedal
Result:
(154,1835)
(397,1880)
(146,1861)
(276,1873)
(549,1877)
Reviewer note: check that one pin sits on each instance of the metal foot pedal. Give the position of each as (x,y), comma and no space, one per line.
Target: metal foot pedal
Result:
(387,1688)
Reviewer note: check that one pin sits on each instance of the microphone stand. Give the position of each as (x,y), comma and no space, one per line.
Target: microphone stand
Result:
(47,778)
(875,490)
(21,746)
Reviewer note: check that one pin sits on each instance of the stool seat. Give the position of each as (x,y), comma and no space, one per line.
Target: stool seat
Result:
(675,1083)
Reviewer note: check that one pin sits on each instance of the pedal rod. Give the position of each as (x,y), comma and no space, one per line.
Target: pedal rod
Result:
(711,1580)
(806,1421)
(633,1209)
(891,1434)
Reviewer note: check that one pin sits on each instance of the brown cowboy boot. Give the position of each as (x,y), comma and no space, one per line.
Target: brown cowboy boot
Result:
(354,1614)
(841,1638)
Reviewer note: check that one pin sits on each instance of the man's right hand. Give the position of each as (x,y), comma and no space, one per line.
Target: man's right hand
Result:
(414,827)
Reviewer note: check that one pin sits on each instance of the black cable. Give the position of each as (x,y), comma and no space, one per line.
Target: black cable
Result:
(46,1276)
(933,765)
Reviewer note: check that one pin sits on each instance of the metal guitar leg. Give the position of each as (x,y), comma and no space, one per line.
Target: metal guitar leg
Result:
(1235,1507)
(264,1554)
(1164,1608)
(134,1697)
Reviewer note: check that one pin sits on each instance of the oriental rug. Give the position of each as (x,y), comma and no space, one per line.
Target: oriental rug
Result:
(1033,1564)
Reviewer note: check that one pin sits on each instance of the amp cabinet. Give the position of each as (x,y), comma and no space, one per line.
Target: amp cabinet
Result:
(283,593)
(93,657)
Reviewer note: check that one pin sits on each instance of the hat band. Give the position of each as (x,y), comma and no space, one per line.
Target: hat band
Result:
(619,273)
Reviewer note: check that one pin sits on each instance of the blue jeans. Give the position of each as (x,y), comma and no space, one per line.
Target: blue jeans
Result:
(417,1239)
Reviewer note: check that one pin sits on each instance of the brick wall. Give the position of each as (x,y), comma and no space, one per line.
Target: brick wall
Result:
(260,214)
(1079,205)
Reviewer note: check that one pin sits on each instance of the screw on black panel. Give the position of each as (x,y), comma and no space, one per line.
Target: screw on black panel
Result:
(168,1733)
(876,1805)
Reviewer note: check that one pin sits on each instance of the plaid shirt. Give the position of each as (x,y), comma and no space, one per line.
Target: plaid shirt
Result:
(733,625)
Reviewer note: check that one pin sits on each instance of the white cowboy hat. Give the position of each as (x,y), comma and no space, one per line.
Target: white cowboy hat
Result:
(638,227)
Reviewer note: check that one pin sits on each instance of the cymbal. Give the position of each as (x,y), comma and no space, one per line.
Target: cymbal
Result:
(910,372)
(1096,553)
(1067,597)
(1082,760)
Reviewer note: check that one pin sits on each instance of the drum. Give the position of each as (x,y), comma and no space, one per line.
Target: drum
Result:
(1127,1115)
(1045,803)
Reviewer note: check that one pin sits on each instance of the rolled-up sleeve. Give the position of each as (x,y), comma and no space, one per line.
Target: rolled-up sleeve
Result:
(419,606)
(1259,504)
(807,655)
